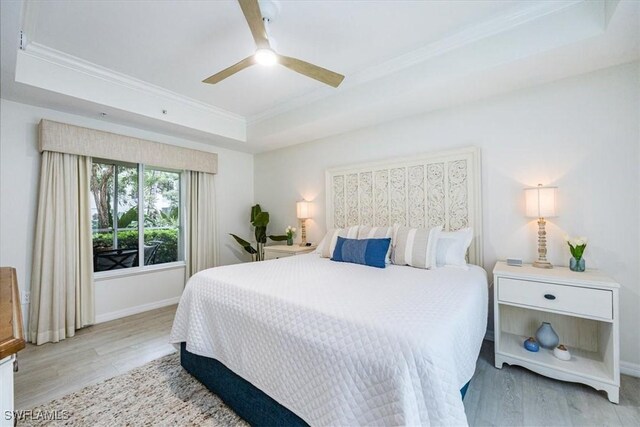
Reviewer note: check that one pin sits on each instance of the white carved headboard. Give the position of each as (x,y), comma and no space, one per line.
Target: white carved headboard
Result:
(422,191)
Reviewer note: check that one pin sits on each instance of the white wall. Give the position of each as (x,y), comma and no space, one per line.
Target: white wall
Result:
(581,134)
(19,175)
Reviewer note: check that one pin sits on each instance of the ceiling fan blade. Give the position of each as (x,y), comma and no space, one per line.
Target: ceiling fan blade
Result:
(321,74)
(245,63)
(252,14)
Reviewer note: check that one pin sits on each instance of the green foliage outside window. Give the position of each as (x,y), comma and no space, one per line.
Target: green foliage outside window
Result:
(116,204)
(128,239)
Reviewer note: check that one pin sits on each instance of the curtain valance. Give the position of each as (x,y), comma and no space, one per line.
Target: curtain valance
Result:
(70,139)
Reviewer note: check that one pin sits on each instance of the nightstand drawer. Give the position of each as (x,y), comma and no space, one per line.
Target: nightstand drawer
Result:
(275,255)
(571,299)
(282,251)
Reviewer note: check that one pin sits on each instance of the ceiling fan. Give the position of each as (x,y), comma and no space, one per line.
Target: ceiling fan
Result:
(266,55)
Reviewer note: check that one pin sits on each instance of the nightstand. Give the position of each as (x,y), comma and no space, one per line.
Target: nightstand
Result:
(581,307)
(282,251)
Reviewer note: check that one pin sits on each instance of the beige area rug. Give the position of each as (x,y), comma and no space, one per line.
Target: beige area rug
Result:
(160,393)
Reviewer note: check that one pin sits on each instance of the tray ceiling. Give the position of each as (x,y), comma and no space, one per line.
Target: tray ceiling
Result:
(134,59)
(175,45)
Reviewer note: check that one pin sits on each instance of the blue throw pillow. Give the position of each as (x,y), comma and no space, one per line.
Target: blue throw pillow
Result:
(371,252)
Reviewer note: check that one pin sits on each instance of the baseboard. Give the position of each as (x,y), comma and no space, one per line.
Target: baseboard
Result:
(25,319)
(105,317)
(488,335)
(626,368)
(631,369)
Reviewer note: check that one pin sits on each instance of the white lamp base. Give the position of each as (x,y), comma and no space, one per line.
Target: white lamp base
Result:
(542,264)
(542,246)
(303,232)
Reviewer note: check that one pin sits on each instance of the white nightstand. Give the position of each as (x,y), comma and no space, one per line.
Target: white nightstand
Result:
(581,307)
(281,251)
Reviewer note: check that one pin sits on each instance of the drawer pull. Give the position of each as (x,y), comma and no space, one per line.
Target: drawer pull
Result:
(549,296)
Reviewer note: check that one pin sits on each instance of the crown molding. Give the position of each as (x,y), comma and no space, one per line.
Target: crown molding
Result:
(447,44)
(76,64)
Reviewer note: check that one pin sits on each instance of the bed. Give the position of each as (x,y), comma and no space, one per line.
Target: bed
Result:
(305,340)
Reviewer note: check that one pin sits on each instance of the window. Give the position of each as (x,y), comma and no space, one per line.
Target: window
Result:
(129,230)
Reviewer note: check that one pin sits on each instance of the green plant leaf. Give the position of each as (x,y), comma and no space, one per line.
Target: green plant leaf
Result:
(261,234)
(246,245)
(261,220)
(128,217)
(255,210)
(278,238)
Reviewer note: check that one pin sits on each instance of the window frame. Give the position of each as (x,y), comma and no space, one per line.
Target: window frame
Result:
(140,269)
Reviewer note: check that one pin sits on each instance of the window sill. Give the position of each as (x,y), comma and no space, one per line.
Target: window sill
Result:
(135,271)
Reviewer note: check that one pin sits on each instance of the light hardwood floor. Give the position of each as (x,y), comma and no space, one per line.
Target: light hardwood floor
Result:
(510,396)
(514,396)
(94,354)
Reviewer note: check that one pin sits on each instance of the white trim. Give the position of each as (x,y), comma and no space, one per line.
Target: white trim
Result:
(141,225)
(26,310)
(74,63)
(631,369)
(42,67)
(101,318)
(422,54)
(134,271)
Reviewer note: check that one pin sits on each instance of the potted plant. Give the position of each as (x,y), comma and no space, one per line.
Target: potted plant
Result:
(290,232)
(259,220)
(577,246)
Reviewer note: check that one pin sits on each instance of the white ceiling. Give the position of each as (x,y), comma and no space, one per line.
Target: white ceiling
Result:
(399,58)
(175,45)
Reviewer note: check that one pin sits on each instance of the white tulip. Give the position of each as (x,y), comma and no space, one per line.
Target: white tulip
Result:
(294,229)
(579,242)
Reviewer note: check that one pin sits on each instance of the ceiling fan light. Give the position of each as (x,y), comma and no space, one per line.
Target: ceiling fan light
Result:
(265,57)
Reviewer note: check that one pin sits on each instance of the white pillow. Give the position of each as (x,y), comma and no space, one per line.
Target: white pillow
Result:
(368,232)
(414,246)
(452,246)
(328,243)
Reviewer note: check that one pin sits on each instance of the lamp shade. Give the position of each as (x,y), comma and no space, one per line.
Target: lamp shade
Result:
(303,210)
(540,202)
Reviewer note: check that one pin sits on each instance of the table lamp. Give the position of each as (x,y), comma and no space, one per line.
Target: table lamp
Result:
(540,202)
(303,209)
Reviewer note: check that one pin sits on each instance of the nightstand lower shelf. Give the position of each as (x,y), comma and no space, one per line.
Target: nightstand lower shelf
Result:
(584,365)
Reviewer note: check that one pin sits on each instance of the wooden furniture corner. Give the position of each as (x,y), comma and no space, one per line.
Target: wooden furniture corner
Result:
(11,332)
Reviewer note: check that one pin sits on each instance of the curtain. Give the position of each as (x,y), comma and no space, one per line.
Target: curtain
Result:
(201,233)
(62,298)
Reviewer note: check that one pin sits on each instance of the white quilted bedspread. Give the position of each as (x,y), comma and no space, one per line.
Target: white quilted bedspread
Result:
(342,344)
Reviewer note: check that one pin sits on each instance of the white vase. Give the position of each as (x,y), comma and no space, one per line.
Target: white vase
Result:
(562,353)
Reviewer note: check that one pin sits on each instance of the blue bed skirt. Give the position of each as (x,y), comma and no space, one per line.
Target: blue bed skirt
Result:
(250,403)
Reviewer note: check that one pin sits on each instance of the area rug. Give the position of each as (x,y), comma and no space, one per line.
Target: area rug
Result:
(160,393)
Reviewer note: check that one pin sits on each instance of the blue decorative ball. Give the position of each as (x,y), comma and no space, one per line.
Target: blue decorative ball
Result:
(531,344)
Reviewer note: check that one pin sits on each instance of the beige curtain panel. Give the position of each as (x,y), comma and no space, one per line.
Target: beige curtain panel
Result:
(201,233)
(62,298)
(70,139)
